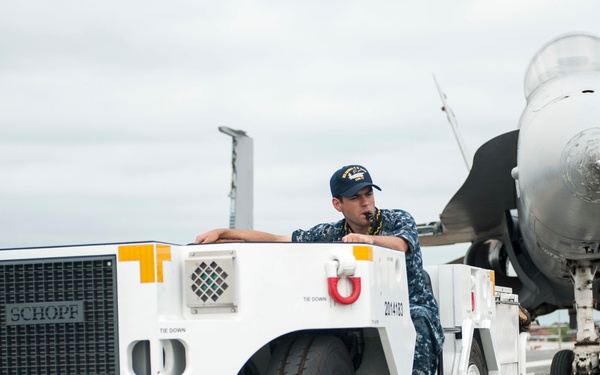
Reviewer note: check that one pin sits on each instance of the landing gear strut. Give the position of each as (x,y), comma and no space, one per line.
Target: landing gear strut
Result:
(587,346)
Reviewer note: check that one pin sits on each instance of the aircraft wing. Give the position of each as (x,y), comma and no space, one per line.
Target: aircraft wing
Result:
(479,207)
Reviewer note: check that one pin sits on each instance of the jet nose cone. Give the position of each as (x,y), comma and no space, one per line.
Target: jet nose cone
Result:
(581,165)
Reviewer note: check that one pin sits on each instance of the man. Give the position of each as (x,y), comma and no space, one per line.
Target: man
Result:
(352,192)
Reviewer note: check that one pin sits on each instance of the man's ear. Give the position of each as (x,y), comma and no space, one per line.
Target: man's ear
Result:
(337,204)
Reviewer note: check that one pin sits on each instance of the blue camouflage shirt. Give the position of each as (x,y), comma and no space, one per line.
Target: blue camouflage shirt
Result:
(397,223)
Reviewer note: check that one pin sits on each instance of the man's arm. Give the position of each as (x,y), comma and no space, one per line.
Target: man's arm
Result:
(392,242)
(224,234)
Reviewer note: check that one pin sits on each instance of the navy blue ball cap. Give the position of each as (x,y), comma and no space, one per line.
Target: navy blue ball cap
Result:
(349,180)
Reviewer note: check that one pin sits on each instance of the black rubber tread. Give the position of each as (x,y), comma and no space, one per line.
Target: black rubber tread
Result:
(562,363)
(311,355)
(477,358)
(298,355)
(278,360)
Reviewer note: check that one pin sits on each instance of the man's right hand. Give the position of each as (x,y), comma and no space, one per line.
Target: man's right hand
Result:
(209,237)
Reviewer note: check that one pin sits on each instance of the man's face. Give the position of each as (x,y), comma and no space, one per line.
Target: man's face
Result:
(355,207)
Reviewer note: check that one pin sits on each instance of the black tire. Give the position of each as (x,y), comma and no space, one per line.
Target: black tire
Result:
(477,365)
(278,360)
(311,355)
(249,369)
(562,363)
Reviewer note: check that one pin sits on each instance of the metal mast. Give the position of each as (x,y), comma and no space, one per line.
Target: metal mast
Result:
(242,179)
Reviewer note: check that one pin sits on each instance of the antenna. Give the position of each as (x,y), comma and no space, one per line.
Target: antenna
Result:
(242,179)
(454,124)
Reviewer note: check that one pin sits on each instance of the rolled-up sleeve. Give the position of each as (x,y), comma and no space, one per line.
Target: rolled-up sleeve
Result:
(406,228)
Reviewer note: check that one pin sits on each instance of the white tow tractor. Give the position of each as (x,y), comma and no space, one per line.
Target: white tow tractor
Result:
(241,308)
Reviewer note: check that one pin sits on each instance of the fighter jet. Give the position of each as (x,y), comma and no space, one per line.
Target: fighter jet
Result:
(532,196)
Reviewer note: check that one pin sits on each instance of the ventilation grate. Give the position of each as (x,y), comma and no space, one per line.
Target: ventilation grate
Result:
(58,316)
(208,281)
(210,285)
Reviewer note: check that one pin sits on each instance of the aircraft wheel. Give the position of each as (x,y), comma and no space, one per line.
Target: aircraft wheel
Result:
(562,363)
(311,355)
(477,365)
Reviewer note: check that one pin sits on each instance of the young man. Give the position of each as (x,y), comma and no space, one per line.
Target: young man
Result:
(352,192)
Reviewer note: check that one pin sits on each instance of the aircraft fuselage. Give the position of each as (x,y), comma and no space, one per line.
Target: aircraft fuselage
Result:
(558,156)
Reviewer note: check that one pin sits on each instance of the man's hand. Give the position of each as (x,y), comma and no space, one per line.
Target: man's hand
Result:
(208,237)
(355,237)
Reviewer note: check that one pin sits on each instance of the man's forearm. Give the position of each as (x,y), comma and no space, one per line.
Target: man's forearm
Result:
(392,242)
(251,236)
(239,235)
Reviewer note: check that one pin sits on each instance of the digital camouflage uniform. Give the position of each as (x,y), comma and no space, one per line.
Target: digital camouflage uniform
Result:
(423,308)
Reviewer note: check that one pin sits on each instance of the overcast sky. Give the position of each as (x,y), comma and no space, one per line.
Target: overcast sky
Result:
(109,110)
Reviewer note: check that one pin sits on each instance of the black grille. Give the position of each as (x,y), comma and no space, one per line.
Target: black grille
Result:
(58,316)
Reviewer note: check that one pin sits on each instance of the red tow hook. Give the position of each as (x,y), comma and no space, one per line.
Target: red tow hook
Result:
(335,294)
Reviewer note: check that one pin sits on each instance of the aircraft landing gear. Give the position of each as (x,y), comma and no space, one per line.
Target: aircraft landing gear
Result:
(587,347)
